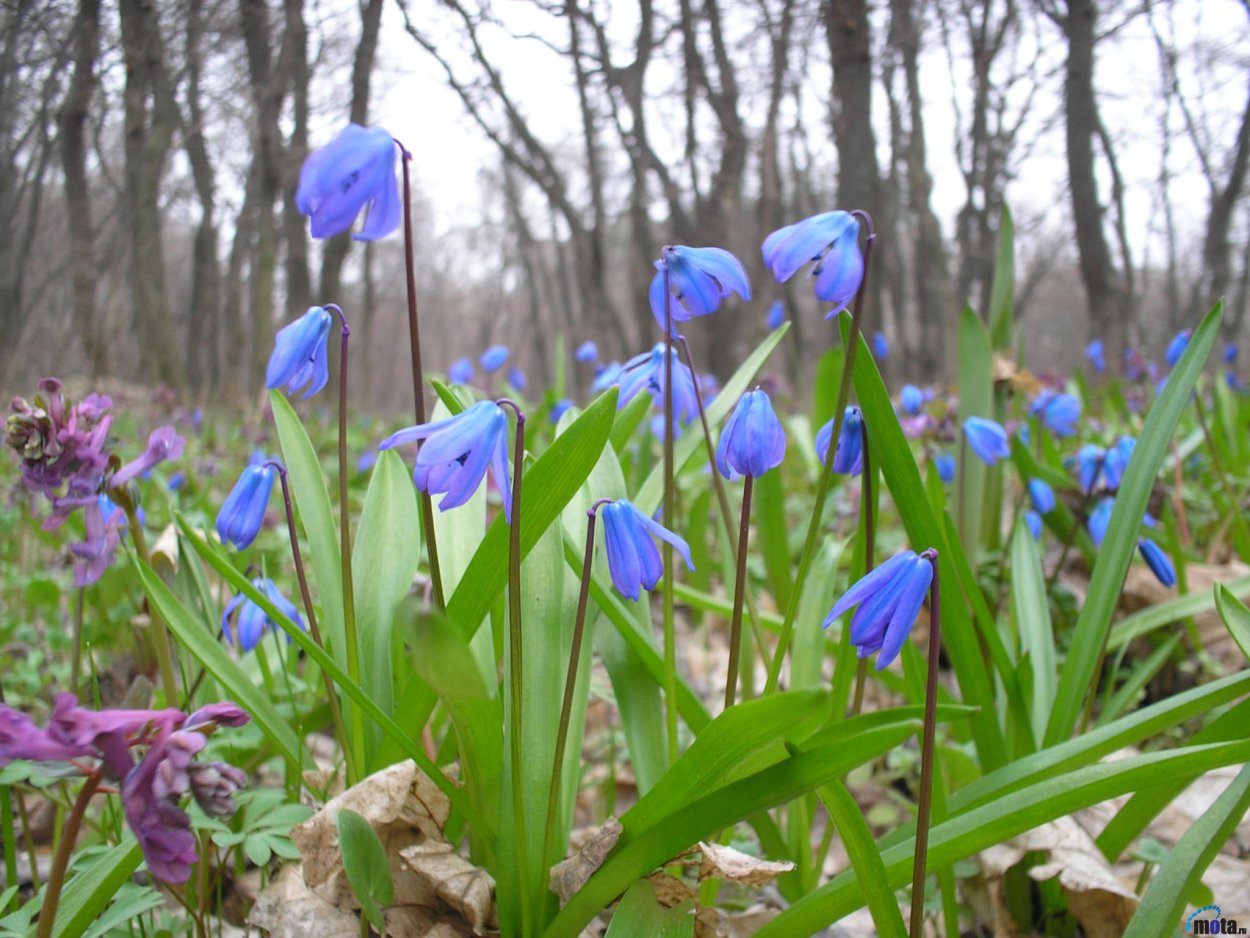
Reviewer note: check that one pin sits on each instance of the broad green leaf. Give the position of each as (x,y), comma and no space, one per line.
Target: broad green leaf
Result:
(1236,617)
(639,914)
(1031,610)
(88,894)
(366,866)
(1120,543)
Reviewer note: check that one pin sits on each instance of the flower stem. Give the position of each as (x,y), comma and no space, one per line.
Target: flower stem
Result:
(60,862)
(332,698)
(925,806)
(670,635)
(822,487)
(735,624)
(870,548)
(570,682)
(160,634)
(418,377)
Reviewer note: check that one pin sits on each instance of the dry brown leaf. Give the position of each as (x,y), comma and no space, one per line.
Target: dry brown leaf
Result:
(570,875)
(713,923)
(669,890)
(287,908)
(467,889)
(738,867)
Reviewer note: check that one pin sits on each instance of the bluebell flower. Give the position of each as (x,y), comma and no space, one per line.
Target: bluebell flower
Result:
(633,559)
(646,371)
(355,169)
(1176,348)
(1058,413)
(493,358)
(911,398)
(1117,461)
(848,459)
(587,352)
(698,279)
(776,314)
(252,619)
(241,515)
(606,376)
(987,439)
(299,354)
(880,346)
(1033,521)
(1159,563)
(830,241)
(1230,353)
(1089,462)
(1024,434)
(516,378)
(456,452)
(889,599)
(945,464)
(367,460)
(461,371)
(1094,353)
(1042,496)
(558,409)
(1234,383)
(753,440)
(1099,518)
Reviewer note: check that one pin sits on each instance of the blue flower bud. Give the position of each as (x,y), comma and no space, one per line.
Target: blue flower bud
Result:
(241,516)
(849,457)
(776,314)
(945,464)
(1099,518)
(911,399)
(633,559)
(493,358)
(987,439)
(1094,353)
(889,599)
(299,354)
(1158,562)
(1034,523)
(880,346)
(753,440)
(587,352)
(1176,348)
(461,371)
(1042,496)
(252,620)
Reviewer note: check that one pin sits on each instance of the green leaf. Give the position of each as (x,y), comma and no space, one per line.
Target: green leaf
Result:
(976,399)
(640,914)
(1002,292)
(1235,615)
(1031,609)
(366,866)
(773,533)
(1172,610)
(865,859)
(1120,542)
(88,894)
(196,638)
(131,901)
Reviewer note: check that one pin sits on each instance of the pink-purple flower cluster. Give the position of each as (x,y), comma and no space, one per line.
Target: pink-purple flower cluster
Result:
(151,788)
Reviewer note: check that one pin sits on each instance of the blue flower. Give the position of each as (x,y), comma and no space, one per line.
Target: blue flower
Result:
(911,398)
(945,464)
(849,457)
(1033,521)
(753,440)
(633,559)
(461,371)
(1057,412)
(1176,348)
(367,460)
(987,439)
(1089,462)
(1158,562)
(698,279)
(456,452)
(177,481)
(1042,496)
(299,354)
(606,376)
(776,314)
(558,409)
(252,619)
(889,599)
(1117,461)
(647,371)
(880,346)
(1099,518)
(493,358)
(355,169)
(587,352)
(516,378)
(241,515)
(1094,353)
(1230,353)
(831,241)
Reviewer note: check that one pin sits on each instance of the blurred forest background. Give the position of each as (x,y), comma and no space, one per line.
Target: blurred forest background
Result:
(150,151)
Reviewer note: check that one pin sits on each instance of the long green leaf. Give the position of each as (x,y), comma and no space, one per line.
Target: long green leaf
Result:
(1236,617)
(865,858)
(88,894)
(1002,291)
(1172,610)
(640,915)
(1031,610)
(976,399)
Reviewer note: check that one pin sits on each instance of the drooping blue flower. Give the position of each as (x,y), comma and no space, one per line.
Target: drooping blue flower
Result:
(889,599)
(1117,461)
(945,464)
(1099,518)
(1042,496)
(647,371)
(1176,348)
(456,452)
(252,619)
(493,358)
(911,398)
(299,354)
(753,440)
(776,314)
(587,352)
(987,439)
(1089,462)
(633,559)
(461,371)
(242,513)
(1094,353)
(1159,562)
(558,409)
(367,460)
(830,241)
(848,459)
(1033,521)
(606,376)
(880,346)
(698,279)
(1230,353)
(516,378)
(1058,413)
(355,169)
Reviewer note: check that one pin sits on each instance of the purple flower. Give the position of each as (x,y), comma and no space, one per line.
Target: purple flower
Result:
(61,446)
(493,358)
(1158,562)
(354,170)
(456,452)
(461,371)
(243,512)
(587,352)
(1176,348)
(753,440)
(987,439)
(646,371)
(849,457)
(104,524)
(633,559)
(163,443)
(829,240)
(299,354)
(1094,353)
(698,279)
(20,738)
(889,599)
(252,619)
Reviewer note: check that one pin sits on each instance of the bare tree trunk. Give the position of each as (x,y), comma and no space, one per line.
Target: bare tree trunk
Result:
(294,225)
